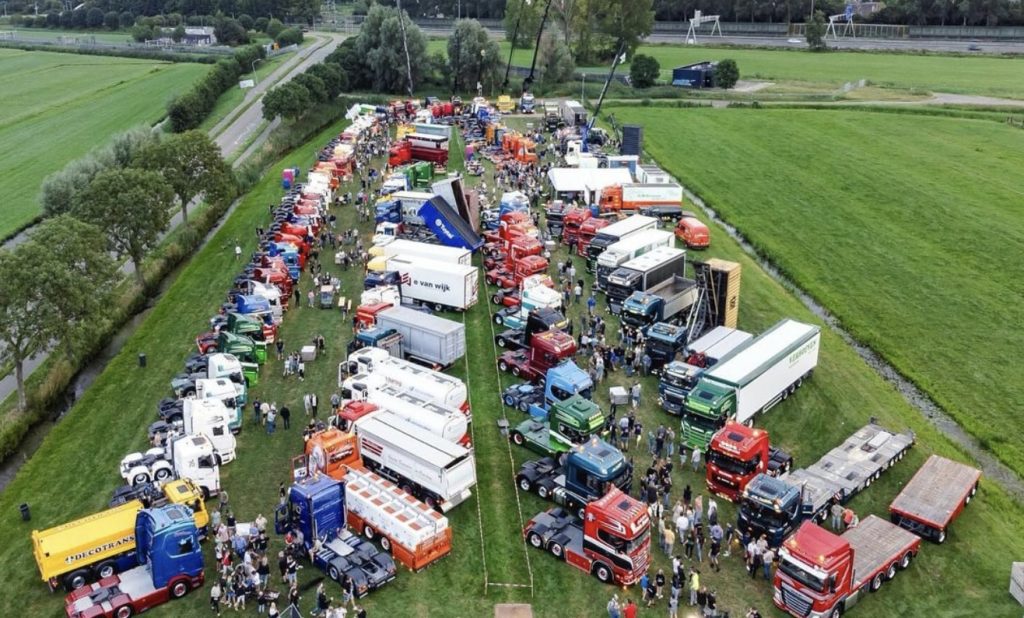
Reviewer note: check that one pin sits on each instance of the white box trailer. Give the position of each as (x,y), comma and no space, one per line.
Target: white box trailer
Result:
(632,246)
(763,371)
(718,343)
(430,251)
(652,174)
(440,420)
(408,529)
(439,472)
(435,386)
(436,284)
(427,338)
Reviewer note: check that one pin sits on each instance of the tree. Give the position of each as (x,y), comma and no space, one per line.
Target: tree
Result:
(178,33)
(473,56)
(555,60)
(380,47)
(314,85)
(644,70)
(56,285)
(94,18)
(274,28)
(815,32)
(347,57)
(143,33)
(192,165)
(527,16)
(727,73)
(246,21)
(111,20)
(229,32)
(289,100)
(289,36)
(333,77)
(132,207)
(260,25)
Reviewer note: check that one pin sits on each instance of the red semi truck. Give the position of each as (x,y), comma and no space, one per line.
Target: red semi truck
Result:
(571,222)
(512,275)
(612,543)
(737,454)
(588,230)
(546,350)
(935,497)
(821,574)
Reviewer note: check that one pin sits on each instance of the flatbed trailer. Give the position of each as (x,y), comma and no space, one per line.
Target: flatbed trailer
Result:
(935,497)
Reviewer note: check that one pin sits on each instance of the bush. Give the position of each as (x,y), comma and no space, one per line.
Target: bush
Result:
(274,28)
(246,21)
(260,24)
(125,20)
(644,70)
(229,32)
(178,34)
(727,73)
(141,33)
(360,7)
(290,36)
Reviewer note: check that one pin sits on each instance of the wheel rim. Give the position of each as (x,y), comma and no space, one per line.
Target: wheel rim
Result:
(905,562)
(368,532)
(542,492)
(333,572)
(510,402)
(891,573)
(524,484)
(138,479)
(517,438)
(179,590)
(556,550)
(77,581)
(503,365)
(942,537)
(105,571)
(124,611)
(602,574)
(535,540)
(385,543)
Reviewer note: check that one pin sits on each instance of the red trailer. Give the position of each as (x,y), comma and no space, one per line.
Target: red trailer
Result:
(935,497)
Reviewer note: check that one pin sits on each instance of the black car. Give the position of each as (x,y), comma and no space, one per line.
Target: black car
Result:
(357,558)
(666,213)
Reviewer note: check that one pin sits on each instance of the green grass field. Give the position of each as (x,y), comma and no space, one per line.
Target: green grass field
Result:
(908,228)
(963,75)
(83,36)
(74,470)
(59,106)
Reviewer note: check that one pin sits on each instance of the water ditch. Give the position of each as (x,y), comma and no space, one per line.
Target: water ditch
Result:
(918,399)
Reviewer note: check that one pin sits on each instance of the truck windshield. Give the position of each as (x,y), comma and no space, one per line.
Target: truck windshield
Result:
(621,545)
(731,464)
(701,422)
(763,514)
(576,436)
(800,574)
(662,347)
(678,380)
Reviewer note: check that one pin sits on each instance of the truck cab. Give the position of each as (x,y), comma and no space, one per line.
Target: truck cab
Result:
(737,454)
(241,346)
(545,351)
(523,324)
(677,380)
(210,417)
(560,426)
(663,342)
(588,230)
(526,103)
(561,382)
(705,411)
(572,220)
(771,507)
(511,276)
(587,472)
(231,395)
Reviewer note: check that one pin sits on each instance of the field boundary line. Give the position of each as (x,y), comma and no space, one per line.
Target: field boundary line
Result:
(472,433)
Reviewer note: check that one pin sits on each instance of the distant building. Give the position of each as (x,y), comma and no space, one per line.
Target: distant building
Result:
(699,75)
(198,36)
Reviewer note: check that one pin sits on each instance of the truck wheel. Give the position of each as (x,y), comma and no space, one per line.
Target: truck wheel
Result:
(499,340)
(369,533)
(942,538)
(164,474)
(906,560)
(517,438)
(876,582)
(498,320)
(503,365)
(524,407)
(524,483)
(557,551)
(534,539)
(140,478)
(179,589)
(333,573)
(385,543)
(76,580)
(175,418)
(836,612)
(489,280)
(890,573)
(497,299)
(603,573)
(438,307)
(125,611)
(515,371)
(105,569)
(543,492)
(509,401)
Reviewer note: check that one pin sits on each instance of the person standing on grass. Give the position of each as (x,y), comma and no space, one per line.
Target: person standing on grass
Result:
(264,411)
(613,607)
(279,344)
(695,459)
(669,539)
(670,443)
(716,546)
(314,402)
(307,403)
(578,293)
(271,421)
(256,410)
(215,594)
(837,515)
(591,303)
(634,393)
(286,416)
(768,558)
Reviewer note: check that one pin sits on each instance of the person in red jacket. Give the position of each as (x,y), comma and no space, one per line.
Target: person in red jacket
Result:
(629,611)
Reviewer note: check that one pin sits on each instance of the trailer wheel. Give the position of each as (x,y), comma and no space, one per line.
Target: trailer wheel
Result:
(76,580)
(967,499)
(438,307)
(535,540)
(974,489)
(876,582)
(524,484)
(369,533)
(557,551)
(125,611)
(906,560)
(385,543)
(503,365)
(942,538)
(603,573)
(105,569)
(179,589)
(543,491)
(517,438)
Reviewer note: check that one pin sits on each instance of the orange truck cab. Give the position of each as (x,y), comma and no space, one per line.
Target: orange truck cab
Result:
(693,233)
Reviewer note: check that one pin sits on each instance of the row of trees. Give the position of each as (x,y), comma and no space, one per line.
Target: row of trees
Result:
(114,203)
(319,84)
(115,14)
(188,110)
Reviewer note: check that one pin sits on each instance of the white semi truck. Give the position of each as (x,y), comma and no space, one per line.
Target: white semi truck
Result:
(438,419)
(435,386)
(181,457)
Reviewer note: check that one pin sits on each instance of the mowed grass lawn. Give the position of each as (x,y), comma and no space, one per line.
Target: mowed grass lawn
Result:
(74,470)
(910,229)
(983,75)
(56,107)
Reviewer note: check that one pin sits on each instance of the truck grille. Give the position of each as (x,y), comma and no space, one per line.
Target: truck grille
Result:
(798,604)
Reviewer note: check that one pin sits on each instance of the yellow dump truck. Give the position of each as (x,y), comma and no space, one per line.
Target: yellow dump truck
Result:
(102,544)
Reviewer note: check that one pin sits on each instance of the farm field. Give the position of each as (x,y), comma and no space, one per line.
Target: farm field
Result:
(979,75)
(83,36)
(490,563)
(908,228)
(59,106)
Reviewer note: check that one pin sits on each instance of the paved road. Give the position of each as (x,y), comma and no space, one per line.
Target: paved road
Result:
(933,45)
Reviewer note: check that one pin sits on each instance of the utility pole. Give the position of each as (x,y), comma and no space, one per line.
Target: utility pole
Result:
(405,44)
(512,47)
(533,65)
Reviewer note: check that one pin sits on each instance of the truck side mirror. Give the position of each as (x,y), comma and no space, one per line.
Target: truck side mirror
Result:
(832,583)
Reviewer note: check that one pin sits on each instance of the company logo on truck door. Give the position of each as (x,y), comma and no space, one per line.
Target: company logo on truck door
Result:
(100,549)
(803,350)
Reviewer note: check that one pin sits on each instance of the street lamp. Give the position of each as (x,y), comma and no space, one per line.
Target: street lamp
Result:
(480,74)
(254,82)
